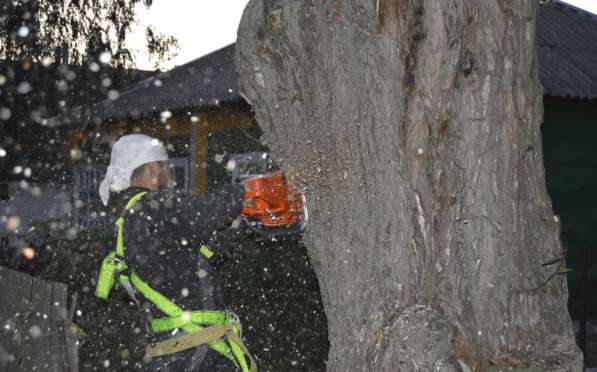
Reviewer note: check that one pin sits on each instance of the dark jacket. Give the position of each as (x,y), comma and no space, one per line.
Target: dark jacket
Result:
(115,332)
(162,236)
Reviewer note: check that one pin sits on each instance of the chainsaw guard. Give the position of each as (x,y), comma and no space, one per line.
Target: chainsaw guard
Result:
(293,230)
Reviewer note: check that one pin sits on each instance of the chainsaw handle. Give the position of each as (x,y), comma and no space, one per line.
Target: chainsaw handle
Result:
(251,194)
(253,211)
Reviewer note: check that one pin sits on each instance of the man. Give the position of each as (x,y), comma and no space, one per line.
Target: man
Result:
(158,260)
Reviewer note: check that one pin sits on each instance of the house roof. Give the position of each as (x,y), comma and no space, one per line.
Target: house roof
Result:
(206,81)
(566,42)
(567,47)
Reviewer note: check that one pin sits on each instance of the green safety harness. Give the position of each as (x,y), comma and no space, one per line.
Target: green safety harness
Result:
(220,330)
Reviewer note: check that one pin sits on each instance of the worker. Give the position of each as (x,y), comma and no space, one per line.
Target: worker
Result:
(160,257)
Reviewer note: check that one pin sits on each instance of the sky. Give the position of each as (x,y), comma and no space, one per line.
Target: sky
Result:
(202,26)
(589,5)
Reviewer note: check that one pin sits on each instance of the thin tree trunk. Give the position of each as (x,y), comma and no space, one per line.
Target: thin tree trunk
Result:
(414,126)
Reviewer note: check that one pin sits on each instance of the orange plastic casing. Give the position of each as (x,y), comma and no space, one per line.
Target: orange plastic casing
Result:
(270,200)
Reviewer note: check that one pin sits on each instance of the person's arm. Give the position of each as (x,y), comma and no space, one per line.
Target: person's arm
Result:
(202,215)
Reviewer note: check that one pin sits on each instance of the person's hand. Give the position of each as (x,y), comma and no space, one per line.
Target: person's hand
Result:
(247,202)
(236,223)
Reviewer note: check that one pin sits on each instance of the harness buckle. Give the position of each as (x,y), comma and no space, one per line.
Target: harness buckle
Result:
(122,269)
(130,291)
(232,317)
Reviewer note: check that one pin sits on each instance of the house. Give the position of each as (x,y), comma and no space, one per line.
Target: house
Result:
(35,171)
(194,108)
(567,47)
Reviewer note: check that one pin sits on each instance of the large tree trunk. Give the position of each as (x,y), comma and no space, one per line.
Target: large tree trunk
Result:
(415,126)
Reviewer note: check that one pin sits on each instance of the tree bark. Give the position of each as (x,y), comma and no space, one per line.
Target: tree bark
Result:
(415,127)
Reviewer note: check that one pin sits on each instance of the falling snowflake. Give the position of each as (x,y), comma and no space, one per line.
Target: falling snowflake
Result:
(105,57)
(23,31)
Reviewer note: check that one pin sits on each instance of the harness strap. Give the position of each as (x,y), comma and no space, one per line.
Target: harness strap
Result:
(206,251)
(120,238)
(239,350)
(166,306)
(195,317)
(134,200)
(187,341)
(222,327)
(120,223)
(215,332)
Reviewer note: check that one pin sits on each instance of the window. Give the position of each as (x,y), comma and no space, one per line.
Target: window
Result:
(4,192)
(180,169)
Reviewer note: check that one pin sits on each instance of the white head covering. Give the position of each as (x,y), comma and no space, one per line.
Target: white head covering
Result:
(129,153)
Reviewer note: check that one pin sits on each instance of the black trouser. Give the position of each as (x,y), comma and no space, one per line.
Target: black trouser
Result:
(199,359)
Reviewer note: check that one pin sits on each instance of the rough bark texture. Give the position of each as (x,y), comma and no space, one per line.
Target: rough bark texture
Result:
(415,126)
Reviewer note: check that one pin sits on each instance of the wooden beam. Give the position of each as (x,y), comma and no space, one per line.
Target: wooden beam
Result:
(153,128)
(198,158)
(212,121)
(182,125)
(215,120)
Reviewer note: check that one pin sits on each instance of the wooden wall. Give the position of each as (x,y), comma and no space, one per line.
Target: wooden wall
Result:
(569,144)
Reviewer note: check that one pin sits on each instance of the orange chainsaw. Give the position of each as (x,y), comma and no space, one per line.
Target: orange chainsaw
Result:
(271,208)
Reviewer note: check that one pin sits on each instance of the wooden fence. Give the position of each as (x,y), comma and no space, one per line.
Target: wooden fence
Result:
(36,331)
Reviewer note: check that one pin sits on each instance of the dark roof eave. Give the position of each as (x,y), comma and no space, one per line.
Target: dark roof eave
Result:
(567,51)
(571,97)
(205,82)
(76,120)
